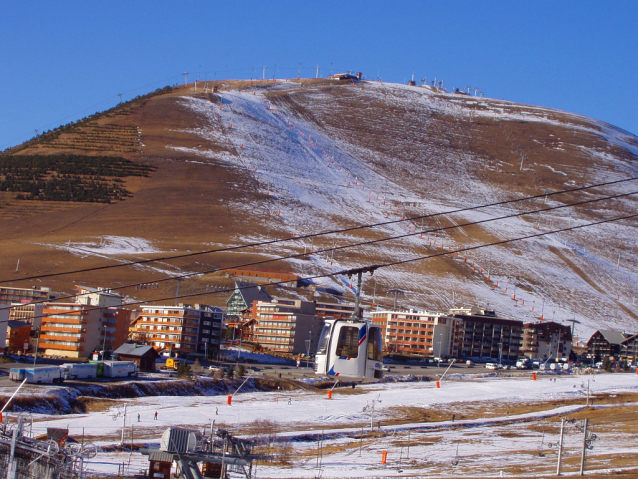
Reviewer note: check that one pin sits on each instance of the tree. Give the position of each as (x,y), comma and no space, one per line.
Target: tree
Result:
(184,370)
(607,364)
(241,371)
(231,372)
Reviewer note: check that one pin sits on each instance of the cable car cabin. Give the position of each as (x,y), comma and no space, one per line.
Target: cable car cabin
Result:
(349,350)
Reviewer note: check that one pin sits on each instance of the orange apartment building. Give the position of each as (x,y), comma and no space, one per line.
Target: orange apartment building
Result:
(70,330)
(414,332)
(171,328)
(95,322)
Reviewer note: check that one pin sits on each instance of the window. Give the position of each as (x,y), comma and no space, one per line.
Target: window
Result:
(375,351)
(348,343)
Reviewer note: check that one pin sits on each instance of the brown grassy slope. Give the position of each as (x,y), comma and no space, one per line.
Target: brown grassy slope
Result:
(182,206)
(192,201)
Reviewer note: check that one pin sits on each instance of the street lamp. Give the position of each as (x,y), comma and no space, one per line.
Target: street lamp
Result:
(308,341)
(37,344)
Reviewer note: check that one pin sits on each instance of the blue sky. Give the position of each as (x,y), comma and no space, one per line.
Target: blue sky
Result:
(64,60)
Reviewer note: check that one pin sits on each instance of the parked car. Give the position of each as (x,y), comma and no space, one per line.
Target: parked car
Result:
(491,366)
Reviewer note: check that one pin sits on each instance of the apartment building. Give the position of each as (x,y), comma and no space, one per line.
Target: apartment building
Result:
(415,332)
(4,319)
(547,339)
(170,328)
(94,322)
(335,310)
(9,295)
(286,326)
(27,312)
(283,278)
(629,349)
(210,331)
(101,297)
(70,330)
(484,335)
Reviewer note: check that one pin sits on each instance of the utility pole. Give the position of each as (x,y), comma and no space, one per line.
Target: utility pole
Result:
(123,426)
(317,74)
(560,446)
(177,292)
(185,78)
(396,293)
(37,345)
(582,458)
(120,95)
(264,73)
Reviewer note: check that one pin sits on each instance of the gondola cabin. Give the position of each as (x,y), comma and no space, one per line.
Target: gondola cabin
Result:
(349,350)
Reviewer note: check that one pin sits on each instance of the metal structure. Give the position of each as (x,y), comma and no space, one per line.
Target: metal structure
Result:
(22,457)
(352,348)
(218,451)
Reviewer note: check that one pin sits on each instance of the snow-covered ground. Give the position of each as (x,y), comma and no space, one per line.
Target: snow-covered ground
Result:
(316,178)
(311,175)
(449,446)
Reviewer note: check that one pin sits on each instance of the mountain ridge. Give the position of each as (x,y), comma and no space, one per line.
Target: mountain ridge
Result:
(261,160)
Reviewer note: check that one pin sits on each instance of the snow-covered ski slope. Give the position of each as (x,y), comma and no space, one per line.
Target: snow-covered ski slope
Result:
(334,157)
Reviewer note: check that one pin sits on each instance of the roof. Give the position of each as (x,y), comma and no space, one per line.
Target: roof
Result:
(251,292)
(13,324)
(132,349)
(102,291)
(611,336)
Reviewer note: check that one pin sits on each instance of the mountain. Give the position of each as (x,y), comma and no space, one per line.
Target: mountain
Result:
(255,161)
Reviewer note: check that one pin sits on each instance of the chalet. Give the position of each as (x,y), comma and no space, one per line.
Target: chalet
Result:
(243,297)
(605,343)
(546,339)
(629,349)
(141,354)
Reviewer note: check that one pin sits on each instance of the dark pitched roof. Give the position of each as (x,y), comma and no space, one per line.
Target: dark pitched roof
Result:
(132,349)
(251,292)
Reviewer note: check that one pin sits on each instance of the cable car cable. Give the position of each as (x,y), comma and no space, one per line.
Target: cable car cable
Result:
(312,235)
(342,247)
